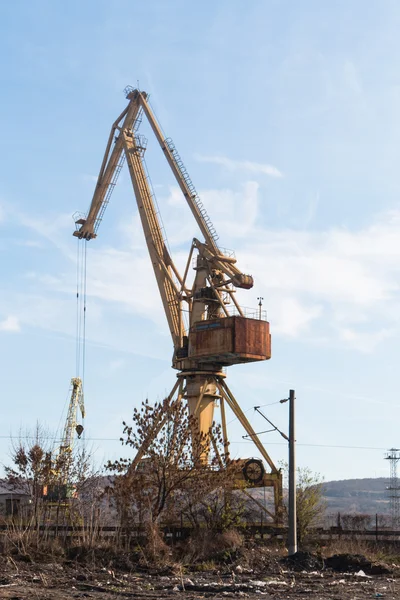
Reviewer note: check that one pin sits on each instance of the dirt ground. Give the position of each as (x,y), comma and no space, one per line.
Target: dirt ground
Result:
(19,581)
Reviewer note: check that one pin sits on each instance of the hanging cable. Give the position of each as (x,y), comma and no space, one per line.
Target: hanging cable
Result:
(84,340)
(81,304)
(78,248)
(84,315)
(81,308)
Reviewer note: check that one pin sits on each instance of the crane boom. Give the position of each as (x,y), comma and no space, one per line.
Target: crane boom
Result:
(158,251)
(193,200)
(182,177)
(108,168)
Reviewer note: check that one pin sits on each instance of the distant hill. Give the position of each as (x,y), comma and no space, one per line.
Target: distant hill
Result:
(368,496)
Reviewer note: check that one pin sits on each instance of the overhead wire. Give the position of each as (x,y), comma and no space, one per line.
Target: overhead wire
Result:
(253,408)
(332,446)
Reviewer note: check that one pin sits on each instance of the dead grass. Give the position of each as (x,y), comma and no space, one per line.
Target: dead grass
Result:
(155,551)
(377,552)
(204,551)
(206,546)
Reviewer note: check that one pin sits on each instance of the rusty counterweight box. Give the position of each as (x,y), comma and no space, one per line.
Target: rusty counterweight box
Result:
(230,340)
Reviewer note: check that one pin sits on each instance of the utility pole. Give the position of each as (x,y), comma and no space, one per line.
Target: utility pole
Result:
(292,534)
(292,541)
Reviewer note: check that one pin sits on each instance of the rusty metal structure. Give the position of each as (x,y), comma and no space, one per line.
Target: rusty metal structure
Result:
(209,329)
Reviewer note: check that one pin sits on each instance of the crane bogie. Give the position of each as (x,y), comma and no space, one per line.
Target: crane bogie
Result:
(206,336)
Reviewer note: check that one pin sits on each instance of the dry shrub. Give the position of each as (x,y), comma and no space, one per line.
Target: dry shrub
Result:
(24,545)
(387,551)
(206,545)
(263,557)
(231,540)
(347,546)
(155,551)
(104,554)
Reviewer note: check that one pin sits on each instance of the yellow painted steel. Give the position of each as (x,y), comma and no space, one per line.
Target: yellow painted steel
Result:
(210,297)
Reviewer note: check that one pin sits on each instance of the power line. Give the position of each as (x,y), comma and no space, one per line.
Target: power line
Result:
(99,439)
(324,446)
(253,408)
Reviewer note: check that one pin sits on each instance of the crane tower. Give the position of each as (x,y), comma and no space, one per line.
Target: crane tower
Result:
(209,329)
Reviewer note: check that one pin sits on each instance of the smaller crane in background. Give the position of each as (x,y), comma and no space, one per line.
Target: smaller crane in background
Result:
(71,423)
(62,489)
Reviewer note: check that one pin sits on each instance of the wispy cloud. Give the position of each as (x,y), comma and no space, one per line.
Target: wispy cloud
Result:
(332,286)
(232,211)
(241,165)
(10,324)
(365,342)
(116,365)
(91,179)
(29,243)
(340,286)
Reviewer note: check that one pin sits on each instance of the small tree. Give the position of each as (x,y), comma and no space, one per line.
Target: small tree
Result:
(35,470)
(31,470)
(310,502)
(177,471)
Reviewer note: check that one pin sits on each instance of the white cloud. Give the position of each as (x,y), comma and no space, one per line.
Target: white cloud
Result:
(11,324)
(329,286)
(351,78)
(337,285)
(233,212)
(332,286)
(241,165)
(116,365)
(86,178)
(365,342)
(30,243)
(124,277)
(292,318)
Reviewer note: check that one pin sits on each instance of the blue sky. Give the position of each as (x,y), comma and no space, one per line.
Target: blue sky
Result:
(287,116)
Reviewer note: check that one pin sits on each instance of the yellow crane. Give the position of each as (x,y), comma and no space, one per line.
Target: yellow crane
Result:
(209,328)
(62,489)
(71,423)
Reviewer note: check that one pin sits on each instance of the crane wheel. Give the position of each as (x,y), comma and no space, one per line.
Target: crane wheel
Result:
(253,471)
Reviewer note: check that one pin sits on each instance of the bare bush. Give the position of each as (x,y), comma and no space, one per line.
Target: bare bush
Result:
(172,482)
(356,522)
(53,498)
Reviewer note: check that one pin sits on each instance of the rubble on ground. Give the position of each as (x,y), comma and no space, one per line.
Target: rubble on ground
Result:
(304,575)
